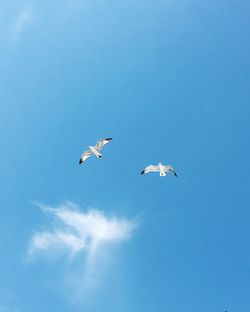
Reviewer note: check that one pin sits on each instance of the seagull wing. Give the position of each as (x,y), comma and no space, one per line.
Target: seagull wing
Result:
(149,169)
(85,155)
(99,145)
(171,169)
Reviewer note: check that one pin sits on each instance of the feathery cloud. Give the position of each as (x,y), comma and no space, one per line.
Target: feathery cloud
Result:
(90,234)
(76,231)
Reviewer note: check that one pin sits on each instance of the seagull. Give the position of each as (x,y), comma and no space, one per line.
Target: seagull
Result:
(159,168)
(94,150)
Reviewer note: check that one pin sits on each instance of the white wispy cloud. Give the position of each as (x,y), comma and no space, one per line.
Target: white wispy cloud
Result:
(73,233)
(24,18)
(77,231)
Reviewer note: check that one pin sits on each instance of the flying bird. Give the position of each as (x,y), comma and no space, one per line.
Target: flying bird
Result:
(159,168)
(94,150)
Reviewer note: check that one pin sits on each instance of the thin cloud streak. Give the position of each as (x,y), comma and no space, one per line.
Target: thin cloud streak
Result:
(8,309)
(24,18)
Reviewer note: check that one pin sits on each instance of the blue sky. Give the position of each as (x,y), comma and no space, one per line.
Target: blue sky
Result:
(169,81)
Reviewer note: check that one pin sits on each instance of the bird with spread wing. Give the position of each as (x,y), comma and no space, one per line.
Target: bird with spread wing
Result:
(159,168)
(94,150)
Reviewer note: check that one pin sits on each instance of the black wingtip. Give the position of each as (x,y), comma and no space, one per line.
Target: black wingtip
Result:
(80,161)
(175,174)
(109,139)
(142,172)
(99,156)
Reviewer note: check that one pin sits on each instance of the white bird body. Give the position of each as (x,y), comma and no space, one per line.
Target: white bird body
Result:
(159,168)
(94,150)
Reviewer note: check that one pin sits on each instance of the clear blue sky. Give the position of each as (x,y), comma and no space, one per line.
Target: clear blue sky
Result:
(169,81)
